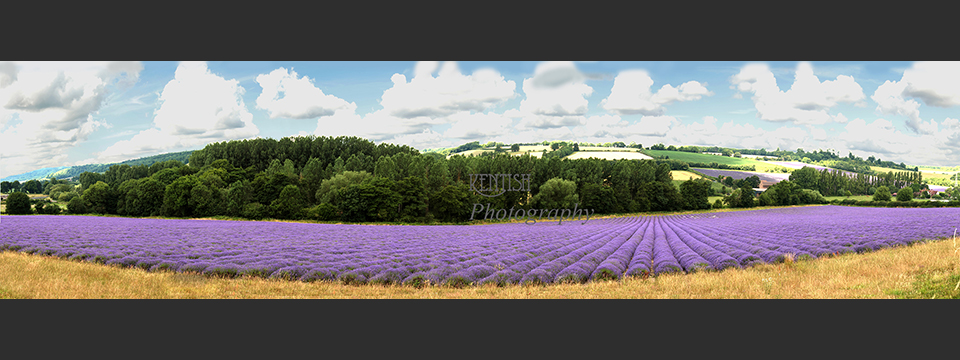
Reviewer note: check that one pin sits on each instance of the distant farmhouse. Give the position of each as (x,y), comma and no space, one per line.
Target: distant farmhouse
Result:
(764,185)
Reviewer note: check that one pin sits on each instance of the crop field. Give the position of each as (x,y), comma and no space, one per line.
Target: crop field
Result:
(737,175)
(761,166)
(509,253)
(684,175)
(606,148)
(608,155)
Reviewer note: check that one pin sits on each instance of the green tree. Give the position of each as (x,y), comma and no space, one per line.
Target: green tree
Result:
(100,199)
(806,178)
(150,198)
(882,194)
(694,194)
(176,197)
(18,203)
(659,196)
(77,206)
(747,197)
(289,204)
(728,181)
(905,194)
(453,203)
(516,147)
(237,196)
(32,187)
(556,193)
(328,188)
(311,177)
(371,200)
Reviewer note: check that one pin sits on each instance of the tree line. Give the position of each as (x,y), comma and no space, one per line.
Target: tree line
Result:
(838,183)
(352,179)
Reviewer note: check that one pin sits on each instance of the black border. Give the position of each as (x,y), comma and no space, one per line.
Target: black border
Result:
(478,31)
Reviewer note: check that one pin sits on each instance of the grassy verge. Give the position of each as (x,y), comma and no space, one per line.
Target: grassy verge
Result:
(924,270)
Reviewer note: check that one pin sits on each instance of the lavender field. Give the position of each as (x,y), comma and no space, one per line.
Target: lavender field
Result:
(740,175)
(462,255)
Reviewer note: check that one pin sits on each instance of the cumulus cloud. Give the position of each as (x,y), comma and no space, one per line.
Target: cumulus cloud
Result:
(711,132)
(613,127)
(196,107)
(808,100)
(46,108)
(411,108)
(285,95)
(631,94)
(377,126)
(468,126)
(449,92)
(555,96)
(934,83)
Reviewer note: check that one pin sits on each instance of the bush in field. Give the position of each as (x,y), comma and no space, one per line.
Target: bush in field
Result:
(808,196)
(905,194)
(77,206)
(18,203)
(882,194)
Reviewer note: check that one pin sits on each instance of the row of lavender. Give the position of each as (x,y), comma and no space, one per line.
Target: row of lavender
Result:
(461,255)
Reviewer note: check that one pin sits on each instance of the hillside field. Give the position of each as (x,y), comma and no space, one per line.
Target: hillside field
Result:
(608,155)
(704,158)
(684,175)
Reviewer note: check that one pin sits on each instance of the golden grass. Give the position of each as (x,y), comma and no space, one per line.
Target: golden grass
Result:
(926,174)
(684,175)
(877,274)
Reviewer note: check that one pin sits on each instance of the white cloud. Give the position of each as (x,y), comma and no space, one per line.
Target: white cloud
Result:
(448,93)
(808,100)
(612,126)
(934,83)
(47,108)
(285,95)
(710,132)
(631,94)
(478,126)
(411,108)
(196,107)
(555,96)
(422,140)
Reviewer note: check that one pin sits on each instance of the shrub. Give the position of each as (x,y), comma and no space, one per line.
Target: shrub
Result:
(18,203)
(882,194)
(905,194)
(718,204)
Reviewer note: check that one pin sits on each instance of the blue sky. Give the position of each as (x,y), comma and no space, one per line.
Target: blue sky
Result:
(73,113)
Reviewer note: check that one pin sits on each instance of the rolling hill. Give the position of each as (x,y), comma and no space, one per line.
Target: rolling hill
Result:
(64,172)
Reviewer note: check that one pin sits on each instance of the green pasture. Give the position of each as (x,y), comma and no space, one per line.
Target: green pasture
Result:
(706,158)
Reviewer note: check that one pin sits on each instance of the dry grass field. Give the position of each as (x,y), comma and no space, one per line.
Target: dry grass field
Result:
(684,175)
(924,270)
